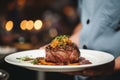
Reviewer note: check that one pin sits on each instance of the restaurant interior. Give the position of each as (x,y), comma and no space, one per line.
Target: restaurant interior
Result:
(31,24)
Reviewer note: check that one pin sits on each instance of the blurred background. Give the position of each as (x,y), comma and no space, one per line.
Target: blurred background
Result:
(30,24)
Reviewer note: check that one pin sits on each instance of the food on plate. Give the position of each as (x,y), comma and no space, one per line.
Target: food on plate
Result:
(62,51)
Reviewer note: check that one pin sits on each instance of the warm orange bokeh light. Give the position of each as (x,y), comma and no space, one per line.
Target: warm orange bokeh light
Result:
(30,25)
(23,24)
(9,25)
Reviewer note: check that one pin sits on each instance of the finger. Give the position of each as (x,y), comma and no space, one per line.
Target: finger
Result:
(68,73)
(43,47)
(88,73)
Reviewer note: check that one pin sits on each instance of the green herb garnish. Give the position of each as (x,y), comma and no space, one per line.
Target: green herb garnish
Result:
(26,58)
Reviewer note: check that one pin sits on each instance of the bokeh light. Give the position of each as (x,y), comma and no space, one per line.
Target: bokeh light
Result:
(38,24)
(9,25)
(30,25)
(23,24)
(53,32)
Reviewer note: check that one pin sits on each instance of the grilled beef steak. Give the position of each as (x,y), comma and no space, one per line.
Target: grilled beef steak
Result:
(62,51)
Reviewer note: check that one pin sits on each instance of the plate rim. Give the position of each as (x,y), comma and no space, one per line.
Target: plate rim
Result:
(54,68)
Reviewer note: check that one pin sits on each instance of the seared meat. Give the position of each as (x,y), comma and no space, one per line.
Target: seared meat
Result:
(62,54)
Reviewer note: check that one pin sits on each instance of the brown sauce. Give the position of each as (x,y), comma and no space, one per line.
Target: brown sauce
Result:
(41,61)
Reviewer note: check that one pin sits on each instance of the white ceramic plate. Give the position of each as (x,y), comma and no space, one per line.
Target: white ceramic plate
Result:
(96,57)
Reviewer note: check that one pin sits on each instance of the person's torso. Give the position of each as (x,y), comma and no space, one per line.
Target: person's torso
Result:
(101,25)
